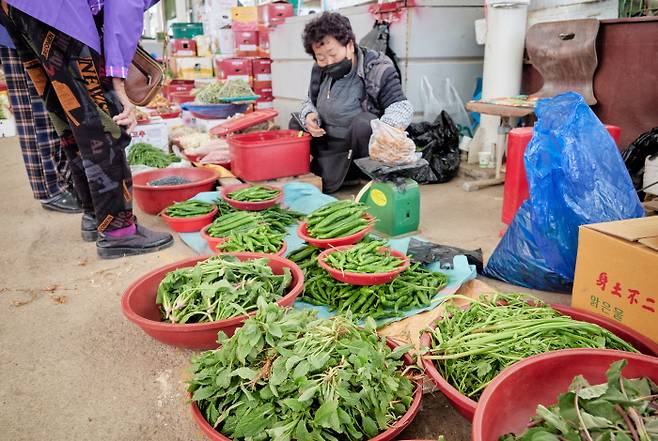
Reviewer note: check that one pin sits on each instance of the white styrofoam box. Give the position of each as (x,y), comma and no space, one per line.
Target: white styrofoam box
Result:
(206,124)
(651,175)
(7,127)
(223,42)
(173,122)
(155,133)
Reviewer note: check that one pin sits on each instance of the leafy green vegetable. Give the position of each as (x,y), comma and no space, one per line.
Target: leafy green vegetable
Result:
(218,288)
(471,346)
(621,409)
(288,375)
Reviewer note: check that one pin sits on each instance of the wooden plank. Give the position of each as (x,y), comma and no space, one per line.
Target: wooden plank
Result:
(499,109)
(309,178)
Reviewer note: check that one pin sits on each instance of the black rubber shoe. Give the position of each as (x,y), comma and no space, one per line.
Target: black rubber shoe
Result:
(142,242)
(88,227)
(66,202)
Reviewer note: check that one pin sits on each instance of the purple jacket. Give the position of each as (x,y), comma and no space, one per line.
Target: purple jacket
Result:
(123,25)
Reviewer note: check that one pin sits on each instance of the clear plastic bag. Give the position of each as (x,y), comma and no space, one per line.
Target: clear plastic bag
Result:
(447,98)
(389,145)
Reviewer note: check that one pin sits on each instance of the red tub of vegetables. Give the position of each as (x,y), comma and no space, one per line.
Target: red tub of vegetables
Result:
(172,304)
(472,344)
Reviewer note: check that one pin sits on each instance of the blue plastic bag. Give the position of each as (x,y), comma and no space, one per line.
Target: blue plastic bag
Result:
(576,176)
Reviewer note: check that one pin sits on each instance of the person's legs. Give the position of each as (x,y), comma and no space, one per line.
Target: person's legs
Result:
(44,162)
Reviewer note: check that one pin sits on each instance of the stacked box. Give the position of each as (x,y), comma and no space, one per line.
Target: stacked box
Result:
(234,68)
(274,13)
(244,18)
(192,68)
(183,47)
(246,43)
(262,72)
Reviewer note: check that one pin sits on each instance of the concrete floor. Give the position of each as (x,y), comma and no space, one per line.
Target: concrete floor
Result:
(74,369)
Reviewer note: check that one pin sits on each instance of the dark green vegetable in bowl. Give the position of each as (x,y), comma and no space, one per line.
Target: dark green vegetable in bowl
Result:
(190,208)
(219,288)
(169,180)
(364,258)
(276,219)
(286,374)
(255,240)
(146,154)
(622,409)
(413,288)
(470,346)
(255,193)
(234,222)
(337,219)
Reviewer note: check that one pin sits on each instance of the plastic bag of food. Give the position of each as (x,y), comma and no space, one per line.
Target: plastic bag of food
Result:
(390,145)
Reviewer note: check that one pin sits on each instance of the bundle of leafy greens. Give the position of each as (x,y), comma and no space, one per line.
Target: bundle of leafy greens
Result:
(622,409)
(287,374)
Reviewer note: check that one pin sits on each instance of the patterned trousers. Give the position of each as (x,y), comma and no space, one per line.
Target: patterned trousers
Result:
(45,163)
(69,77)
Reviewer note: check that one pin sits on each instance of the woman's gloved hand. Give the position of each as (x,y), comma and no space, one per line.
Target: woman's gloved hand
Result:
(312,125)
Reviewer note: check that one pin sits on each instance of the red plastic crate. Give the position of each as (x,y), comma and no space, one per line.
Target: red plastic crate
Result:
(275,154)
(234,68)
(516,182)
(274,13)
(182,47)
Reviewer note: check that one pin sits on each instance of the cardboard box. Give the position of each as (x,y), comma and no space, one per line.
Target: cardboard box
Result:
(223,42)
(263,42)
(203,45)
(264,92)
(234,68)
(183,47)
(7,127)
(191,68)
(264,103)
(274,13)
(262,70)
(246,43)
(155,133)
(617,273)
(245,18)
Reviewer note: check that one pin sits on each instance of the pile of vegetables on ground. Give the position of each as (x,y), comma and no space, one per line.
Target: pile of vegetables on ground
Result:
(189,208)
(219,288)
(472,345)
(622,409)
(413,288)
(255,193)
(142,153)
(364,257)
(285,374)
(337,219)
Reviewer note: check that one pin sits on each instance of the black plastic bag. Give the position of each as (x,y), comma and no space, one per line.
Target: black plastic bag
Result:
(439,144)
(635,155)
(378,39)
(428,252)
(383,172)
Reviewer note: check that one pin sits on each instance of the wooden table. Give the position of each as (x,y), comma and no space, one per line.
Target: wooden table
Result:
(506,113)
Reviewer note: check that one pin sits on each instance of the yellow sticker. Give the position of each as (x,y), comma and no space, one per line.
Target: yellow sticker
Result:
(378,197)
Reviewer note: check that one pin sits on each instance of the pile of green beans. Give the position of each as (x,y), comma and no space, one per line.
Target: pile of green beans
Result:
(255,193)
(337,219)
(471,346)
(279,219)
(413,288)
(234,222)
(189,209)
(146,154)
(256,240)
(219,288)
(364,258)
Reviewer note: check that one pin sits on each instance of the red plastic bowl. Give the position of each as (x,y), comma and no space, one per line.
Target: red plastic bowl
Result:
(138,305)
(302,232)
(387,435)
(182,97)
(512,397)
(169,115)
(250,206)
(363,278)
(189,224)
(154,199)
(213,242)
(466,407)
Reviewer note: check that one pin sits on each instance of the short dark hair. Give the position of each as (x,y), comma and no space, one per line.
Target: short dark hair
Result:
(330,24)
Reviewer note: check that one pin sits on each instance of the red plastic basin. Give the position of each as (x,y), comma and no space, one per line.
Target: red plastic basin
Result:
(138,305)
(250,206)
(512,397)
(302,232)
(466,407)
(189,224)
(387,435)
(363,279)
(154,199)
(260,156)
(213,242)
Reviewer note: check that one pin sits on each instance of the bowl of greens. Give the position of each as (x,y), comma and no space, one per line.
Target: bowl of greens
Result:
(252,197)
(470,345)
(188,216)
(186,303)
(287,374)
(573,394)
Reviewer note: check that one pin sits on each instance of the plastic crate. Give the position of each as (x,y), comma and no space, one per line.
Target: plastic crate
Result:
(260,156)
(186,30)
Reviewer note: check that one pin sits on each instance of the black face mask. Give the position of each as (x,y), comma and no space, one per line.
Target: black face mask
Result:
(338,70)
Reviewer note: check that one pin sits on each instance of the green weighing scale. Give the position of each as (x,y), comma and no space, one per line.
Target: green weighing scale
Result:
(395,205)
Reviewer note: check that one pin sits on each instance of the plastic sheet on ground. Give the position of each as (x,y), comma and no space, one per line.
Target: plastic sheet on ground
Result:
(306,198)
